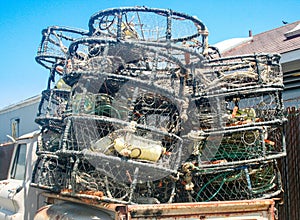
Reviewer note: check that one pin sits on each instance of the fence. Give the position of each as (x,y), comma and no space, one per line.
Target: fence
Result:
(290,168)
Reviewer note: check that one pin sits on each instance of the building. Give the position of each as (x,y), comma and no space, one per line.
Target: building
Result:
(18,119)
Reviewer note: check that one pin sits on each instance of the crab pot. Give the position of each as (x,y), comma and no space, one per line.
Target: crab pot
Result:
(240,73)
(52,172)
(49,140)
(148,24)
(159,64)
(116,147)
(52,108)
(252,181)
(239,109)
(53,48)
(232,147)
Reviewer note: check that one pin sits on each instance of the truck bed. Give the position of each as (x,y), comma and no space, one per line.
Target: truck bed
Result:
(244,209)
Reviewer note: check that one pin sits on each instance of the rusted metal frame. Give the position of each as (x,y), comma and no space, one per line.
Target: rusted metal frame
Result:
(289,162)
(108,204)
(292,143)
(123,210)
(198,208)
(294,173)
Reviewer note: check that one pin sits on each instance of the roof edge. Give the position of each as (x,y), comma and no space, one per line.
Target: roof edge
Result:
(20,104)
(229,44)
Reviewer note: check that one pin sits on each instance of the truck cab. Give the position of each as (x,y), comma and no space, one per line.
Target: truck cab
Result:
(17,199)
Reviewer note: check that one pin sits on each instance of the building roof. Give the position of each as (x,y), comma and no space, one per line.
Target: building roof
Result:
(21,104)
(279,40)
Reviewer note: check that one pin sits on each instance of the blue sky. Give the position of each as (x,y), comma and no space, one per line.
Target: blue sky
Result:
(21,23)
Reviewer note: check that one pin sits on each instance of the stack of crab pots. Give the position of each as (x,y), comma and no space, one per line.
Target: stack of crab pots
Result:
(140,109)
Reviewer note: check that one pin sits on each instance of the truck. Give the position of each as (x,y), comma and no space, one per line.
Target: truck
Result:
(143,119)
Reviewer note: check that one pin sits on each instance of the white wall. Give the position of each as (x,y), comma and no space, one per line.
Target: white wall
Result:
(25,111)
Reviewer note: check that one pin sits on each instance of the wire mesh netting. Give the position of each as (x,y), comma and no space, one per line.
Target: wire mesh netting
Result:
(241,72)
(52,107)
(231,147)
(53,49)
(148,24)
(259,180)
(252,107)
(142,111)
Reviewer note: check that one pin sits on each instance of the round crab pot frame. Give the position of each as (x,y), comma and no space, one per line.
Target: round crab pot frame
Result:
(53,48)
(149,24)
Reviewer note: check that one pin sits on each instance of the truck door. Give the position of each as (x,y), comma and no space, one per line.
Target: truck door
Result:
(17,199)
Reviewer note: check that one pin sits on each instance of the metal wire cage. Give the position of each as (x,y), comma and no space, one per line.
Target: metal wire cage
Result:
(221,149)
(250,107)
(72,175)
(251,181)
(238,73)
(52,108)
(80,179)
(54,45)
(149,24)
(150,116)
